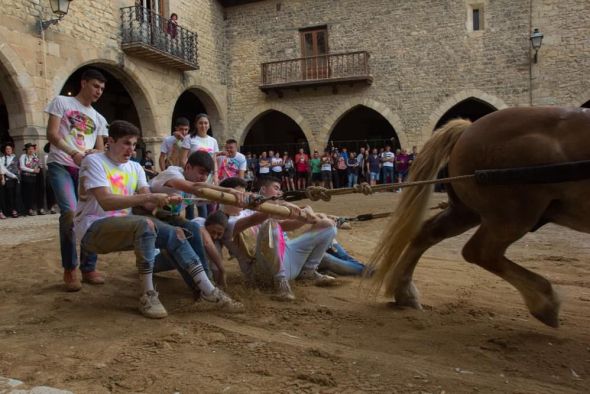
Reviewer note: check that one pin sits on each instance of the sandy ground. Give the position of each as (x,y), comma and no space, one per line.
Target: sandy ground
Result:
(475,334)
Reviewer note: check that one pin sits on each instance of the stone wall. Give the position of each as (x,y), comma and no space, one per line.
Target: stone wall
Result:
(424,59)
(34,68)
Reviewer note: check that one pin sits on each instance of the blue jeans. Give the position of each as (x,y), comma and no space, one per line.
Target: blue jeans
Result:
(352,179)
(134,232)
(164,262)
(305,252)
(337,260)
(388,175)
(64,182)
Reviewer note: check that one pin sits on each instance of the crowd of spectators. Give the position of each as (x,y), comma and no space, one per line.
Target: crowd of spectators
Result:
(333,168)
(24,189)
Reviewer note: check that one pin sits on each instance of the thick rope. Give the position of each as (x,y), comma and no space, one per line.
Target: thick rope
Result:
(316,193)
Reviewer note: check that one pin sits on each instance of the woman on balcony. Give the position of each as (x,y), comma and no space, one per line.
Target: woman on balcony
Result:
(172,28)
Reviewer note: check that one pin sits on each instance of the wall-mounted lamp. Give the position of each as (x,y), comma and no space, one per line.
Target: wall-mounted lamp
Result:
(60,9)
(536,40)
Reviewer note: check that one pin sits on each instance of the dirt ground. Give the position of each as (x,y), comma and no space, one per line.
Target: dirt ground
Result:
(475,334)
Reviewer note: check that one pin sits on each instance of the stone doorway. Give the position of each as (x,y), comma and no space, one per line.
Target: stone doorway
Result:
(470,108)
(4,124)
(189,106)
(362,126)
(273,130)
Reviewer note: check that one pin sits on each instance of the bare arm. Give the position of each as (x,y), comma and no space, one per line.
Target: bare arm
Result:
(249,221)
(112,202)
(193,188)
(184,157)
(214,256)
(162,161)
(99,145)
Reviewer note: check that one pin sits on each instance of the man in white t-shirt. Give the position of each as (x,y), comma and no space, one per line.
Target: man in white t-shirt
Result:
(75,130)
(186,182)
(110,185)
(231,162)
(387,160)
(299,257)
(175,146)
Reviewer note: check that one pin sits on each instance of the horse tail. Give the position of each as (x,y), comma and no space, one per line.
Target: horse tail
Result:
(409,215)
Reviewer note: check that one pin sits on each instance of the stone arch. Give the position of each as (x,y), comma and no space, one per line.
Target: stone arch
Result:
(212,104)
(262,109)
(19,87)
(382,109)
(131,80)
(454,100)
(582,100)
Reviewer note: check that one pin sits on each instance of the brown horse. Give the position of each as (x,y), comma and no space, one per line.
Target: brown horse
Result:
(510,138)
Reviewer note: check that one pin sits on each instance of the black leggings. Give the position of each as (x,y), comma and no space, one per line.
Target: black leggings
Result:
(9,190)
(29,192)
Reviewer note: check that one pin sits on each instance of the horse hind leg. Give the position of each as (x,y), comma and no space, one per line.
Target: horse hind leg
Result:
(454,220)
(487,248)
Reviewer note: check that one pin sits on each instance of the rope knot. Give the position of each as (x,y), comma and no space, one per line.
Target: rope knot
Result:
(316,193)
(364,188)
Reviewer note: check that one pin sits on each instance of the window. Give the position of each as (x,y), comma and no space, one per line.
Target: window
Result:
(475,16)
(475,19)
(314,48)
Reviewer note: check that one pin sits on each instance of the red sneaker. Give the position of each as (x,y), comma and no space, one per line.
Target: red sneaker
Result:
(93,278)
(72,280)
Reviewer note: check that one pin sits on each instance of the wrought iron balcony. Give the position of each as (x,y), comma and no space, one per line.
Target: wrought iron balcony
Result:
(157,39)
(331,69)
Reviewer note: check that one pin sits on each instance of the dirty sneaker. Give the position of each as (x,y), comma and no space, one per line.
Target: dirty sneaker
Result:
(223,301)
(283,291)
(150,306)
(71,280)
(317,278)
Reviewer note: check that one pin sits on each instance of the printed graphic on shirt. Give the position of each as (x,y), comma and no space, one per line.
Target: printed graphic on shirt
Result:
(122,183)
(230,167)
(80,126)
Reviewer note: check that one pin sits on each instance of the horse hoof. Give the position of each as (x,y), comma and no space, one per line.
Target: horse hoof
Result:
(550,318)
(414,304)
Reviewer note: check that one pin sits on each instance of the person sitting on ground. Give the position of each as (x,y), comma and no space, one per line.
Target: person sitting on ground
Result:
(186,182)
(111,184)
(210,230)
(299,257)
(336,260)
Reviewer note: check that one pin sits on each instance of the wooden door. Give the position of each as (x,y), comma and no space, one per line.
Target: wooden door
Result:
(314,49)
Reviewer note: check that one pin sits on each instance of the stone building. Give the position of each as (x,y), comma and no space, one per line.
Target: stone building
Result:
(293,72)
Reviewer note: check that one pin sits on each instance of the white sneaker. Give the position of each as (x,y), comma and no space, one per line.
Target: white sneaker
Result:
(223,301)
(150,306)
(317,278)
(283,291)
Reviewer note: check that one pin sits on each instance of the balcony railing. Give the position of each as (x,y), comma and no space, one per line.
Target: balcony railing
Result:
(330,69)
(149,35)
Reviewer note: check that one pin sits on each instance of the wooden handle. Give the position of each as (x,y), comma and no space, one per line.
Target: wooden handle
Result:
(265,207)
